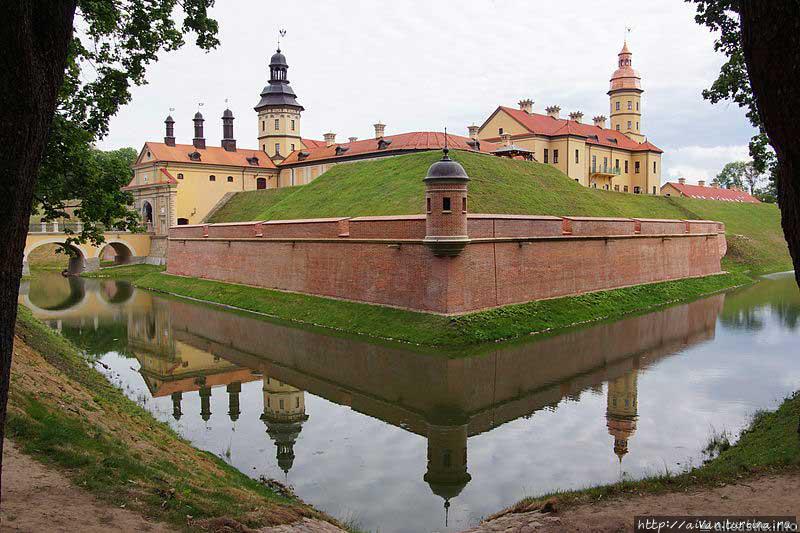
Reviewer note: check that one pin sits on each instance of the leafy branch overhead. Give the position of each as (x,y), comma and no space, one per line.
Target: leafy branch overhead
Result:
(113,44)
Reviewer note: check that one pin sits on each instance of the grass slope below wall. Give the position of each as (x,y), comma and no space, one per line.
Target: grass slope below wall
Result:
(393,186)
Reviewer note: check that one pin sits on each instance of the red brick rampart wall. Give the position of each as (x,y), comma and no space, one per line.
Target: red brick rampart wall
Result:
(511,259)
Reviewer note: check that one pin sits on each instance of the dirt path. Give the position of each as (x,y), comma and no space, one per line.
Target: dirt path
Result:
(776,495)
(37,498)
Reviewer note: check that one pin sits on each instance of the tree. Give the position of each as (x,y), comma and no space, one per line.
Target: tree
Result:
(761,40)
(731,175)
(58,90)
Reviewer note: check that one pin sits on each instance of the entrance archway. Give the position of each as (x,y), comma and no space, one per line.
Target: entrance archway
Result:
(147,213)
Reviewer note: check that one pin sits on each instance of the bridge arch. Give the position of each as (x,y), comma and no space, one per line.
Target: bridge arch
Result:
(124,252)
(77,262)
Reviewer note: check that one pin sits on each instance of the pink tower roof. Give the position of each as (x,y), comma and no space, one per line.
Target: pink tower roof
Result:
(625,77)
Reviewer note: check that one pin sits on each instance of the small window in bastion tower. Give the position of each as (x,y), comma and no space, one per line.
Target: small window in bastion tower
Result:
(428,201)
(446,204)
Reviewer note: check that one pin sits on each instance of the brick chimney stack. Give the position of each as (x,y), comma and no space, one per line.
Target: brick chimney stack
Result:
(701,183)
(446,207)
(682,181)
(506,139)
(553,111)
(352,139)
(169,138)
(330,139)
(526,105)
(473,131)
(379,130)
(199,140)
(577,116)
(600,121)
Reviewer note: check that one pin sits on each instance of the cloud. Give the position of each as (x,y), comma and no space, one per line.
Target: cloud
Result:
(700,162)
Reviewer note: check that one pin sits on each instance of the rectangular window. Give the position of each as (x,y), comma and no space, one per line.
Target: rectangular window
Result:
(654,189)
(292,147)
(617,106)
(464,205)
(636,167)
(263,126)
(654,167)
(577,156)
(277,148)
(637,106)
(212,177)
(616,188)
(428,199)
(280,404)
(555,156)
(616,164)
(546,154)
(625,188)
(617,127)
(446,204)
(500,131)
(629,124)
(605,163)
(630,105)
(292,124)
(297,401)
(626,167)
(277,123)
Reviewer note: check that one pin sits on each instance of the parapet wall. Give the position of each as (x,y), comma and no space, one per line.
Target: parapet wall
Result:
(510,259)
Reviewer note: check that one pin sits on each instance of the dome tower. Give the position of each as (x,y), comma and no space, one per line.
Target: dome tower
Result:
(625,95)
(278,112)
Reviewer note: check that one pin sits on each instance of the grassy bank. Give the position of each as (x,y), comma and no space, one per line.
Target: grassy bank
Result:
(124,272)
(434,330)
(769,445)
(64,413)
(393,186)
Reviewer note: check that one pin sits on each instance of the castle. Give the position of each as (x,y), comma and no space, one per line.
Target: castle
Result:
(179,184)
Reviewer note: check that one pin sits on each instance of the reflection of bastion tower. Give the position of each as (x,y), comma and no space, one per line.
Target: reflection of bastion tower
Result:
(446,207)
(447,455)
(284,414)
(621,411)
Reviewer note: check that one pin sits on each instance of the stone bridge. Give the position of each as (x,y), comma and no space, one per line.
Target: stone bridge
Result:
(128,247)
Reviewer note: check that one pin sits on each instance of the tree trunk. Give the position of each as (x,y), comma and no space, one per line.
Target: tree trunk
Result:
(34,37)
(771,44)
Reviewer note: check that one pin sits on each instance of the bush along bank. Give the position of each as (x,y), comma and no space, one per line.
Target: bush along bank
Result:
(66,414)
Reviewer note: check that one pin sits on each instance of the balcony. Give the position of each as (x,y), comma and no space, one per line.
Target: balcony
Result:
(604,171)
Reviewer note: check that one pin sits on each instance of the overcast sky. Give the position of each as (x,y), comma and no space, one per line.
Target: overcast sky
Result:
(423,65)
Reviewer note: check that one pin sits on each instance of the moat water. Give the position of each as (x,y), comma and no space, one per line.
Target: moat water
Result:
(406,441)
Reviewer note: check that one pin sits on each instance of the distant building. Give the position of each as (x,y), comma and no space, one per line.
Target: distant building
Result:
(701,191)
(619,158)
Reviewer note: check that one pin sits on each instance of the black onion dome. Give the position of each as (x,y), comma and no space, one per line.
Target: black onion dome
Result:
(446,169)
(198,116)
(278,59)
(227,114)
(170,120)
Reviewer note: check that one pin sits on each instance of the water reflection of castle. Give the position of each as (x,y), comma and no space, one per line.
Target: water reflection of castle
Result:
(185,348)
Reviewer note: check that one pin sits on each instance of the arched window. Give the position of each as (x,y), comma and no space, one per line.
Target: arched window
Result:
(230,179)
(147,212)
(212,177)
(261,183)
(180,175)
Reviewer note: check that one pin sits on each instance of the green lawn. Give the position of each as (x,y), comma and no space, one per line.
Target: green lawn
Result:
(394,185)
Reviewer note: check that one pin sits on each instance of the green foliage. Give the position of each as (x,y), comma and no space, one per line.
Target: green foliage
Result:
(113,44)
(427,329)
(393,186)
(731,175)
(733,83)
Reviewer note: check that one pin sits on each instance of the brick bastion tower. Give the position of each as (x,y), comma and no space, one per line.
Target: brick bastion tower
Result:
(446,207)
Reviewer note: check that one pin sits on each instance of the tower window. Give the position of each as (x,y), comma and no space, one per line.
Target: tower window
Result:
(277,123)
(292,124)
(637,106)
(546,155)
(577,156)
(292,147)
(630,105)
(277,149)
(654,167)
(428,202)
(617,106)
(637,124)
(263,126)
(629,124)
(636,168)
(230,179)
(654,190)
(617,127)
(446,204)
(212,177)
(555,156)
(180,175)
(464,204)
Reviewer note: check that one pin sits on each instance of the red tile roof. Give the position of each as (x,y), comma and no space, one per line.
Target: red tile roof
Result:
(713,193)
(551,127)
(311,143)
(418,140)
(211,155)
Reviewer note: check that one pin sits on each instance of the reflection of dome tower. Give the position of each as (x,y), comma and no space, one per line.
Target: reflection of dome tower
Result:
(284,414)
(233,400)
(447,455)
(621,411)
(176,405)
(205,403)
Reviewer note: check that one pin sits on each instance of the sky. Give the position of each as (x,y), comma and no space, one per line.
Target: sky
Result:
(424,65)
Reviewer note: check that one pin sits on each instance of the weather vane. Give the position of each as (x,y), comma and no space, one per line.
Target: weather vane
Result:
(171,109)
(281,33)
(446,150)
(627,31)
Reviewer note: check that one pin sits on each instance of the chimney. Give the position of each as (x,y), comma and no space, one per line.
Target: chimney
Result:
(682,181)
(228,142)
(701,183)
(169,138)
(553,111)
(526,105)
(577,116)
(352,139)
(473,131)
(600,121)
(330,139)
(379,130)
(199,141)
(715,185)
(506,139)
